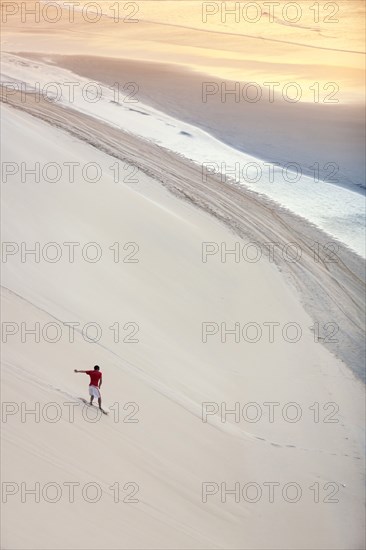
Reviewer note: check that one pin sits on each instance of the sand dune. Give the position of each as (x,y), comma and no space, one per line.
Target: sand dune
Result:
(232,370)
(170,452)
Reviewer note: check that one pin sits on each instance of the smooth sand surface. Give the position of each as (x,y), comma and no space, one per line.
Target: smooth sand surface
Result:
(170,452)
(331,285)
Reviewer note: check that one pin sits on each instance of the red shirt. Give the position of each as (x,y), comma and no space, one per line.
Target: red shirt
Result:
(95,376)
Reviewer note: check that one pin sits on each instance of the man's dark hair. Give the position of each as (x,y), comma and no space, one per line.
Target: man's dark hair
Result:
(96,367)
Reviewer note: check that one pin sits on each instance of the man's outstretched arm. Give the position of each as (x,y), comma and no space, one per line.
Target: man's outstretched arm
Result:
(84,371)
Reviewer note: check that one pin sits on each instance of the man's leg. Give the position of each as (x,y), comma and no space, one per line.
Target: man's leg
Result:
(100,402)
(91,399)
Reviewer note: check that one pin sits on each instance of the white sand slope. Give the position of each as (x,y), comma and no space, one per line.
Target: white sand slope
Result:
(169,453)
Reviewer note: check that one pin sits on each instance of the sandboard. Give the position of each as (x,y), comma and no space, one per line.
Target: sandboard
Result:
(95,406)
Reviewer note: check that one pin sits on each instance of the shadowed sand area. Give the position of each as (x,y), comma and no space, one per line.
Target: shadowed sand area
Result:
(279,132)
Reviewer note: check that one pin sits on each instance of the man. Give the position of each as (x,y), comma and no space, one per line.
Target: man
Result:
(95,384)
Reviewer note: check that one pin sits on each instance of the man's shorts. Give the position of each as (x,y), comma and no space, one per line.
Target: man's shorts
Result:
(94,391)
